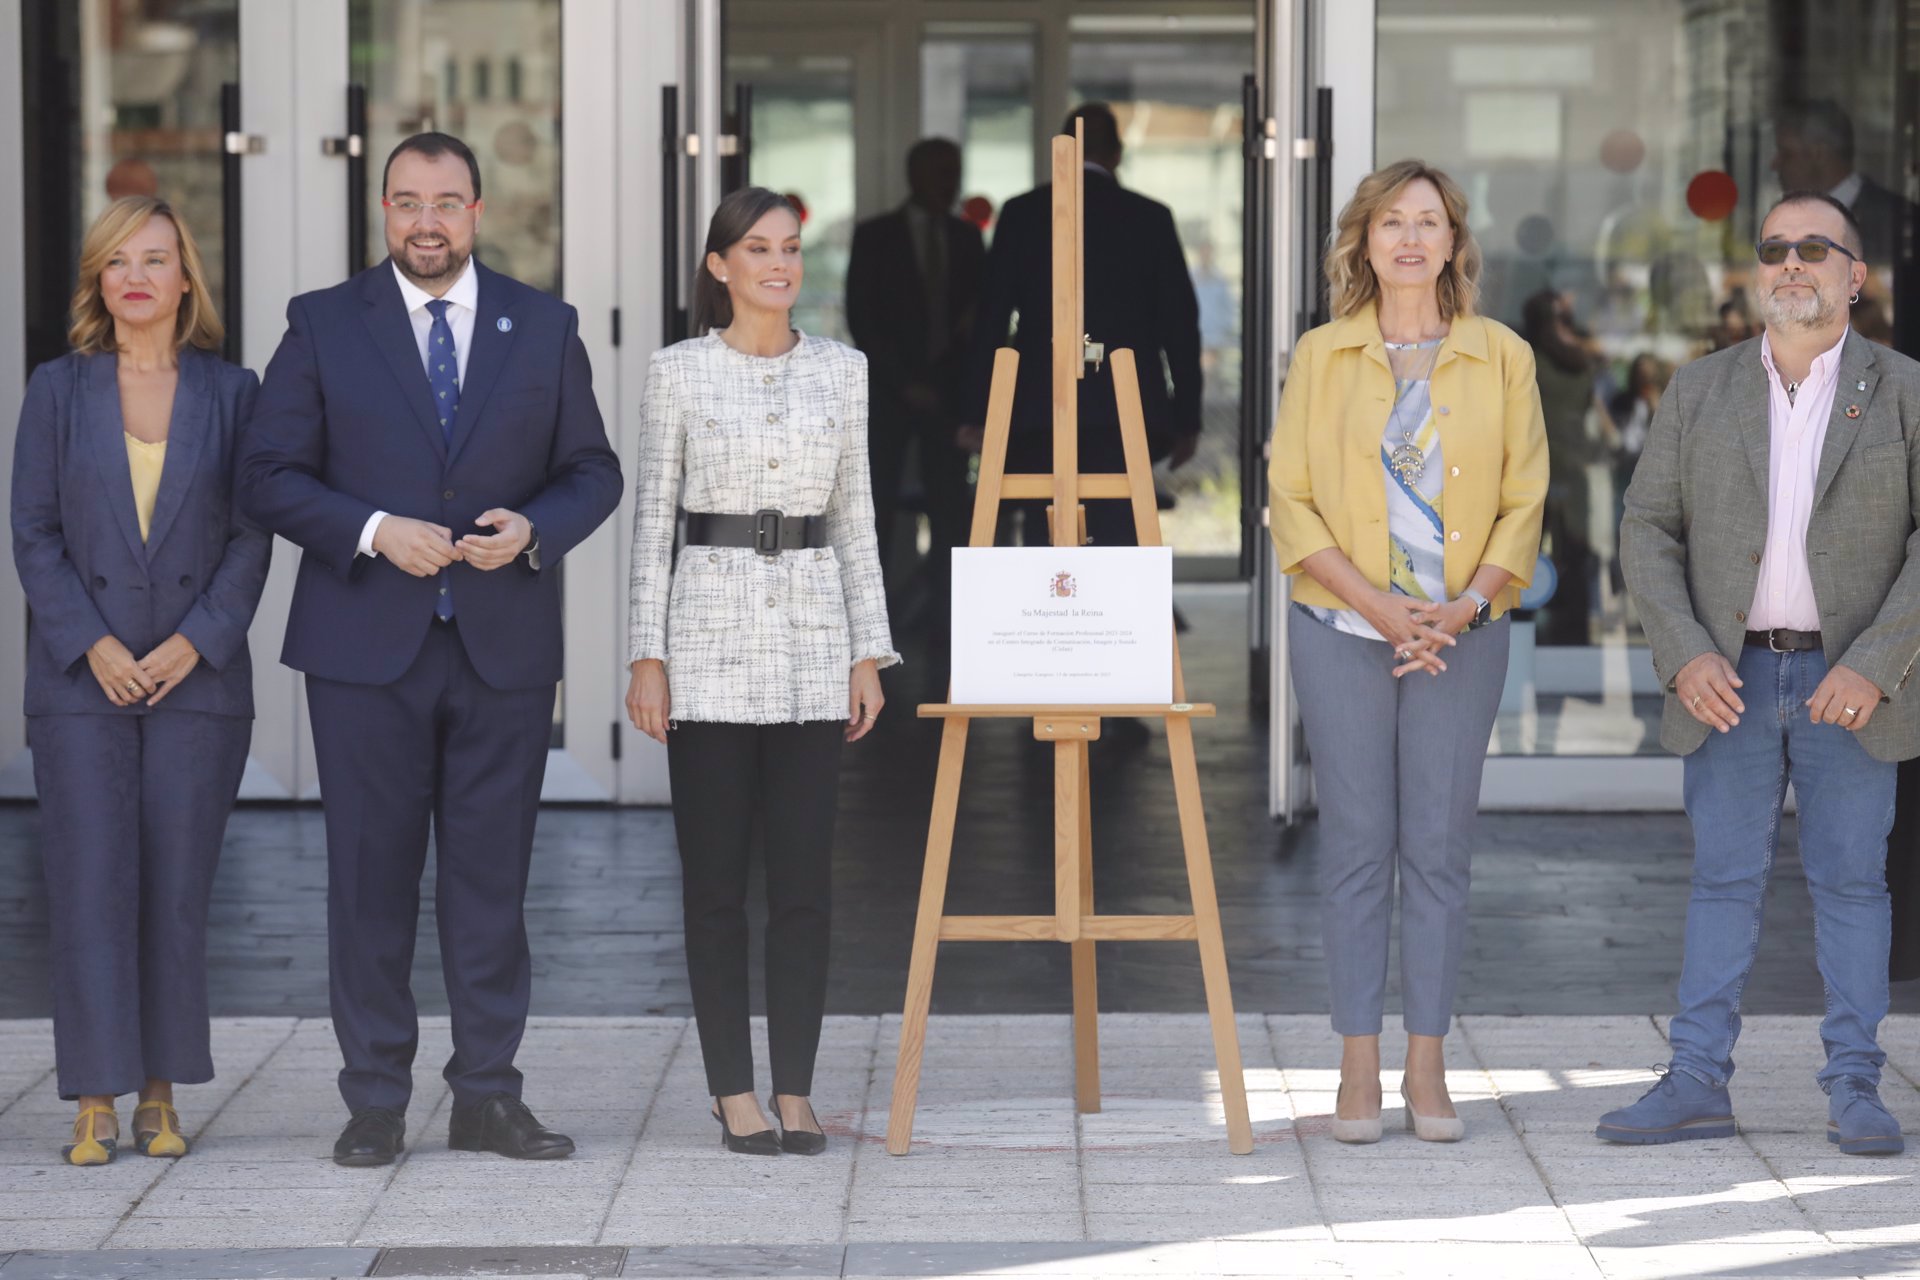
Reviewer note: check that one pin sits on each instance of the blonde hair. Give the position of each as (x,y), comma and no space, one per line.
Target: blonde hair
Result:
(1351,283)
(91,332)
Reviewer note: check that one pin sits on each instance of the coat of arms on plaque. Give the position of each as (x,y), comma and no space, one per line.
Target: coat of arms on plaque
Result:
(1063,586)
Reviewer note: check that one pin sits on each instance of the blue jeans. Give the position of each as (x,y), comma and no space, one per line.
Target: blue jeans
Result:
(1736,784)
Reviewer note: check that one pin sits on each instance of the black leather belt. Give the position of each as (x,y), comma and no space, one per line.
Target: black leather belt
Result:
(1781,640)
(769,532)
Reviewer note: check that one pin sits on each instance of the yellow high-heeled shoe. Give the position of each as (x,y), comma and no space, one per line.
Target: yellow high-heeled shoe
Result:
(87,1147)
(164,1141)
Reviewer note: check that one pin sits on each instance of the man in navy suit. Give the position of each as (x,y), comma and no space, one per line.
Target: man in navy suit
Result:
(427,434)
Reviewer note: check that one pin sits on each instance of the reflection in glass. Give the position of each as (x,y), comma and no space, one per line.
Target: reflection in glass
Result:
(1178,101)
(442,65)
(976,87)
(150,77)
(803,145)
(1618,166)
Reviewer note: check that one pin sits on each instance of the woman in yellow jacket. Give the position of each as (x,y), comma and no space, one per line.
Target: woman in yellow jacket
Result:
(1409,469)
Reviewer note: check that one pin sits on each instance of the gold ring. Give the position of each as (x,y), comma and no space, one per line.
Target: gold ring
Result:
(870,716)
(131,687)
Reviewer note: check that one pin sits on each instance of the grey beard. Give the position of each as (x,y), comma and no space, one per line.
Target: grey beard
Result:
(1816,313)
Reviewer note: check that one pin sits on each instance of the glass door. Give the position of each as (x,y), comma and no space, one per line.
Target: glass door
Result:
(1618,168)
(268,126)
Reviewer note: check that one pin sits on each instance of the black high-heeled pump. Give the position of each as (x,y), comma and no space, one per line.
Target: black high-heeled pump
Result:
(799,1142)
(763,1143)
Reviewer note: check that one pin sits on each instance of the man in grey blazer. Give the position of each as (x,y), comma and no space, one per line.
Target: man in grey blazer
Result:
(1770,545)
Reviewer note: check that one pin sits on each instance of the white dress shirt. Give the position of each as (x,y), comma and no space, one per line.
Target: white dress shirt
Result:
(1797,428)
(464,298)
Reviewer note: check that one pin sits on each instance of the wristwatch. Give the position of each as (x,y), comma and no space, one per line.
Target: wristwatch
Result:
(1483,608)
(533,546)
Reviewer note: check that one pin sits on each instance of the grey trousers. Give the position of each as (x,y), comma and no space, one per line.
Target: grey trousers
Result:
(1396,769)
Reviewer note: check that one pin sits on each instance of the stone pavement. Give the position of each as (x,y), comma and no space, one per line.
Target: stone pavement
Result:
(1004,1178)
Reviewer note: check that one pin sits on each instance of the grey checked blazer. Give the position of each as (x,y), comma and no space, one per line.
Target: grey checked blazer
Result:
(1696,524)
(747,638)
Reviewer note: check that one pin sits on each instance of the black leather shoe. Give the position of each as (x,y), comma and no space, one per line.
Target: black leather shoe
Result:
(799,1142)
(501,1123)
(374,1136)
(764,1143)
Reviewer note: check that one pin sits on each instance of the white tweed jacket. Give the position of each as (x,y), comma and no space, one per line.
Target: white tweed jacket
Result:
(749,638)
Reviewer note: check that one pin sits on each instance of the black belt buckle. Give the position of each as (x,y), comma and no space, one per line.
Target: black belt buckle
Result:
(766,531)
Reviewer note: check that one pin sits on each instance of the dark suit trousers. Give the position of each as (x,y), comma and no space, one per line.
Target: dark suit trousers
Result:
(728,778)
(132,812)
(438,747)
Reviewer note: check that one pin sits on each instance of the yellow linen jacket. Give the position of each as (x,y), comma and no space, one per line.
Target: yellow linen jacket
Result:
(1326,480)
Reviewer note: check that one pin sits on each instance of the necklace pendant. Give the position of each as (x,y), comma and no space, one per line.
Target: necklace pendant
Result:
(1409,463)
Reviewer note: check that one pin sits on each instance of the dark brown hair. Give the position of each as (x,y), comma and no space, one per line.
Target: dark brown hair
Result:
(433,146)
(712,308)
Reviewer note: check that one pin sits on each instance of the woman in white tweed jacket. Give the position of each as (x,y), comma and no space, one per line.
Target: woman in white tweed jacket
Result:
(756,656)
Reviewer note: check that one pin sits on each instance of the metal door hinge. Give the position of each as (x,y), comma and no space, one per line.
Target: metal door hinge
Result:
(1305,148)
(243,144)
(728,144)
(351,145)
(693,144)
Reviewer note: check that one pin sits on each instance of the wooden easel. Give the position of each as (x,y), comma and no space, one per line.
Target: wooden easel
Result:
(1069,728)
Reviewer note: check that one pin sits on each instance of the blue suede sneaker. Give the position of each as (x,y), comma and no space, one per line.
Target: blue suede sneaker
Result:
(1858,1122)
(1679,1108)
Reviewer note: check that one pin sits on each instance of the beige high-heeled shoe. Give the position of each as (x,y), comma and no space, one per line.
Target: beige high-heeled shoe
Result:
(1433,1128)
(1358,1132)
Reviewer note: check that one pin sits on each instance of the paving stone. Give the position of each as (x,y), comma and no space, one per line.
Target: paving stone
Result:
(573,1260)
(201,1264)
(719,1260)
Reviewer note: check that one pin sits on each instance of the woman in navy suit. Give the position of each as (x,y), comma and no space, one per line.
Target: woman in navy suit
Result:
(141,578)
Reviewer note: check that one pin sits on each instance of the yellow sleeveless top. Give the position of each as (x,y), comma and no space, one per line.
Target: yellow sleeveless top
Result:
(145,461)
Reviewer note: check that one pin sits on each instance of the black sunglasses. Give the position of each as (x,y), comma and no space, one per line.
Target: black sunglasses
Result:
(1811,250)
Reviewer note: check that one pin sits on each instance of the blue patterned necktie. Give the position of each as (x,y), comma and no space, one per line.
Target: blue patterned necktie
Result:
(443,376)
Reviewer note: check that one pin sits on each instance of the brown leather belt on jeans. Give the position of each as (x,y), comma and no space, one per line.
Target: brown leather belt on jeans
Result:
(1781,640)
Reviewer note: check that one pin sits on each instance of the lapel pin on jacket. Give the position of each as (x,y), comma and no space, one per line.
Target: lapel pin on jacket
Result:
(1853,411)
(504,324)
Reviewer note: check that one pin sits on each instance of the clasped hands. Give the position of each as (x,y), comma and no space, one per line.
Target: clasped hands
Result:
(422,548)
(1706,688)
(127,680)
(1418,630)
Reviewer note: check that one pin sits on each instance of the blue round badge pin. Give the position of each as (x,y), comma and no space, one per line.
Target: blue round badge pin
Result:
(504,325)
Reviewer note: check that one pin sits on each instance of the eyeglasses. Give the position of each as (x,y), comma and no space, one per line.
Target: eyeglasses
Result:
(412,208)
(1811,250)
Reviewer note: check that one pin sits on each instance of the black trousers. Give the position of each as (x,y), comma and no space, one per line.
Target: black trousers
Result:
(785,778)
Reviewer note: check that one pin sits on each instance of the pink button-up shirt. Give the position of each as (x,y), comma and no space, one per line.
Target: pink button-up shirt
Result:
(1797,429)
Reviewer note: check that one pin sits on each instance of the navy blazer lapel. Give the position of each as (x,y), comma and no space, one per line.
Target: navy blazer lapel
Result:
(101,413)
(1751,404)
(186,432)
(392,333)
(492,343)
(1843,428)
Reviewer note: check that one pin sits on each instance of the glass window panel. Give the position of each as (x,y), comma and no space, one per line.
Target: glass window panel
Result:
(1581,144)
(803,145)
(430,65)
(149,117)
(1178,101)
(976,87)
